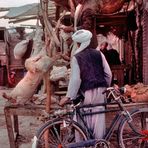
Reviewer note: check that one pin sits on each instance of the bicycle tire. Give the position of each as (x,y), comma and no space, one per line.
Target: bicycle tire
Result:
(131,135)
(60,132)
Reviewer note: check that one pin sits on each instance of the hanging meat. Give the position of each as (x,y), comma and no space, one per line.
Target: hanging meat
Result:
(102,6)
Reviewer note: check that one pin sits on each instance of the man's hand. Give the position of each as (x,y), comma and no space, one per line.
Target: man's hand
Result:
(63,101)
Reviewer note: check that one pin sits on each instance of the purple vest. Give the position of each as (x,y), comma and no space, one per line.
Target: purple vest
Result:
(91,69)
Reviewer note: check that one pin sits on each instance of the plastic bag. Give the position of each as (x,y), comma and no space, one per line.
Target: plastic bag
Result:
(58,73)
(20,49)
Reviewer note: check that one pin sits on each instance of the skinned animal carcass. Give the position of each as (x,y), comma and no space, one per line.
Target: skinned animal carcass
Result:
(20,49)
(102,6)
(25,89)
(38,63)
(137,92)
(109,6)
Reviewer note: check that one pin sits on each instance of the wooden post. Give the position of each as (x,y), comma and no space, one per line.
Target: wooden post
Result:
(48,25)
(48,91)
(72,7)
(50,31)
(15,111)
(48,104)
(10,129)
(16,124)
(53,39)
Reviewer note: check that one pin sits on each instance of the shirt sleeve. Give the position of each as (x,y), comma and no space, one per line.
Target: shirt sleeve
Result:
(107,70)
(75,80)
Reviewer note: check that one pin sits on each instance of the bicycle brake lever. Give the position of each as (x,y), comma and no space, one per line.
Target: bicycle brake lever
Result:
(108,89)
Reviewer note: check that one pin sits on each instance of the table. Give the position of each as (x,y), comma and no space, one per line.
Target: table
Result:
(11,115)
(13,111)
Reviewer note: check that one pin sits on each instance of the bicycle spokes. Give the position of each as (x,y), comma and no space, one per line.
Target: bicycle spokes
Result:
(134,134)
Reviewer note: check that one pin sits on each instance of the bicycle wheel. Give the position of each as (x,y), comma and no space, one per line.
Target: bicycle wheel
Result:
(58,133)
(134,134)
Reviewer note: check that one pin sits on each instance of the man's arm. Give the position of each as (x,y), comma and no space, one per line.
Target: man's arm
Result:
(74,83)
(75,80)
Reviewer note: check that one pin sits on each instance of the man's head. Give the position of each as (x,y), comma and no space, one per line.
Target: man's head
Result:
(67,20)
(83,38)
(103,46)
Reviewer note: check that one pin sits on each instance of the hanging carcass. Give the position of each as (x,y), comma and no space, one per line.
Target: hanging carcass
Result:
(37,65)
(101,6)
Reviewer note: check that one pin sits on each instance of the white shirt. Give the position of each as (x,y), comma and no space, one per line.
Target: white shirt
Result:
(75,80)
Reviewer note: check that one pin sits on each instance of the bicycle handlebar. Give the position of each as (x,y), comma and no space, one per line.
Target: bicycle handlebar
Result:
(116,94)
(122,90)
(72,104)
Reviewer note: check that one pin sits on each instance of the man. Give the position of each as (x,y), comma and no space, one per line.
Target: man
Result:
(111,55)
(90,74)
(114,56)
(84,18)
(103,49)
(68,47)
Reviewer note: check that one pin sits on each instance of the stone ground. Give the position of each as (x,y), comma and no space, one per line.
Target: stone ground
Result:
(28,126)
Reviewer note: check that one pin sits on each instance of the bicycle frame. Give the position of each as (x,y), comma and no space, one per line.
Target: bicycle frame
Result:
(117,119)
(123,118)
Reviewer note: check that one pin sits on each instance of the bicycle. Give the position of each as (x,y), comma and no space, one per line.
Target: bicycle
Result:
(60,132)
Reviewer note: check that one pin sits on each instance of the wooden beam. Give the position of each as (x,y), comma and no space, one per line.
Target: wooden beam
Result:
(10,129)
(120,19)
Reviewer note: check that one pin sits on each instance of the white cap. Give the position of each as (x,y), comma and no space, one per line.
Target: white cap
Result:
(81,36)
